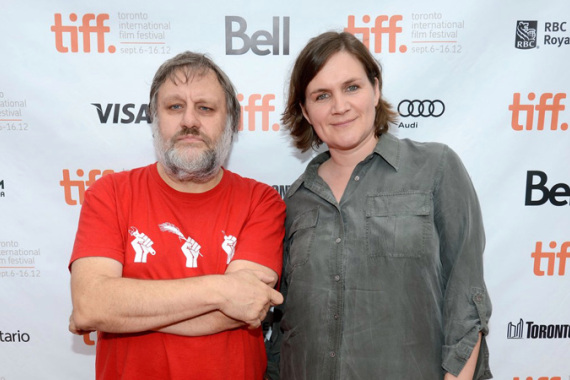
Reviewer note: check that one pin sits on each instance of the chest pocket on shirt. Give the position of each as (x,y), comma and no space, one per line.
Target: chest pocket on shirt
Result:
(301,236)
(397,224)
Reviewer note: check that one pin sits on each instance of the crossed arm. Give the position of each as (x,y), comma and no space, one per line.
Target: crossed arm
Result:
(103,300)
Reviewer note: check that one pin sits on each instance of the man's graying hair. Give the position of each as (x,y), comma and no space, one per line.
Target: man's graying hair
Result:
(195,64)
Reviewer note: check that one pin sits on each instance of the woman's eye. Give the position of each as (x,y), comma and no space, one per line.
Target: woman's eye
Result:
(322,97)
(352,87)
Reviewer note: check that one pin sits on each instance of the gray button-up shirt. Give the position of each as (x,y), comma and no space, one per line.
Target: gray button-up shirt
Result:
(388,283)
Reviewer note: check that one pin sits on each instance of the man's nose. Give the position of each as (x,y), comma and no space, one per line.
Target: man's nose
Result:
(190,118)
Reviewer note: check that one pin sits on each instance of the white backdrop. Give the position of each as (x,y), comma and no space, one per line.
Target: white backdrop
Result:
(74,80)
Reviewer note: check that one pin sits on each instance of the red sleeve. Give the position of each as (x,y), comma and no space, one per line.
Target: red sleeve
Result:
(261,239)
(99,231)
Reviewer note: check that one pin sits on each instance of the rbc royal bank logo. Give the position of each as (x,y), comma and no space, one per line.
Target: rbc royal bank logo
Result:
(526,35)
(69,36)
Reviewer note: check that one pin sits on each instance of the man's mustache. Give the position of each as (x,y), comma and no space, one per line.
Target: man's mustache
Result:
(193,131)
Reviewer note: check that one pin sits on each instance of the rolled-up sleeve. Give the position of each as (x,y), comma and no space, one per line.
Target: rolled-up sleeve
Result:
(466,305)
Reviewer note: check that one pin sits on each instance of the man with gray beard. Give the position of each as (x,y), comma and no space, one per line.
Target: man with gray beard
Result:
(174,263)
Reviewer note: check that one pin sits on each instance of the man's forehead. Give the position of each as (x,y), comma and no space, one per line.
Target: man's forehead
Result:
(187,75)
(197,79)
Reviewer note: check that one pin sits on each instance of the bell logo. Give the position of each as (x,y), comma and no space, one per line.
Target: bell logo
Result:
(549,104)
(378,30)
(67,36)
(257,39)
(253,108)
(557,195)
(81,185)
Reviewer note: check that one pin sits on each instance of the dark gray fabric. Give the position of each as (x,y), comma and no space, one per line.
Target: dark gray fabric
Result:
(388,284)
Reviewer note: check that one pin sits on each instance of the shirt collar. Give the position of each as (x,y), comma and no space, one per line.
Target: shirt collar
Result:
(388,148)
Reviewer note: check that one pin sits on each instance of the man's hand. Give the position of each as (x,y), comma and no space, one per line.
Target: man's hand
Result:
(249,295)
(73,328)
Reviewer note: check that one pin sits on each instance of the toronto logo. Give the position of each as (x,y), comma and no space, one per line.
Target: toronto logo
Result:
(532,330)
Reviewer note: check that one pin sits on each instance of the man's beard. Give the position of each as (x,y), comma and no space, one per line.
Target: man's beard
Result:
(187,163)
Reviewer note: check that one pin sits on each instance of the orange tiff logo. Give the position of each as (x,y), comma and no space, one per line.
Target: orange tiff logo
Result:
(257,104)
(550,257)
(87,339)
(549,104)
(383,25)
(80,184)
(67,36)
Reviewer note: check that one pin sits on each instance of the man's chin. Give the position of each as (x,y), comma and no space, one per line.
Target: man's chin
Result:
(189,141)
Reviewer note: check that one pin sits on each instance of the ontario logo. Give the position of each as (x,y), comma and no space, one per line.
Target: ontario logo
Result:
(531,330)
(526,35)
(14,337)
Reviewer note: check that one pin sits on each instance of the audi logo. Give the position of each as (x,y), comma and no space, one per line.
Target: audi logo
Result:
(423,108)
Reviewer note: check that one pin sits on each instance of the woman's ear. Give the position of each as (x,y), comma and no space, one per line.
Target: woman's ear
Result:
(305,113)
(376,92)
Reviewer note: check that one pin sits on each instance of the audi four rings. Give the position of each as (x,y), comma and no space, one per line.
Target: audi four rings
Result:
(423,108)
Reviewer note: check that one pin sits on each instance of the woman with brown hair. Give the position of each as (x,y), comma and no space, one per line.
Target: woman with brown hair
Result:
(384,241)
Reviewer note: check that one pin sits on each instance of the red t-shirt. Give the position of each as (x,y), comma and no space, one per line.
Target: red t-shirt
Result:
(157,232)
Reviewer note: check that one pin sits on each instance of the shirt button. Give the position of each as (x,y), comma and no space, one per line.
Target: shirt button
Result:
(332,354)
(336,316)
(338,240)
(337,278)
(357,178)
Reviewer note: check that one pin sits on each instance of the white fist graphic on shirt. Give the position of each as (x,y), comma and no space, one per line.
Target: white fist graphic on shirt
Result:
(229,246)
(191,250)
(142,245)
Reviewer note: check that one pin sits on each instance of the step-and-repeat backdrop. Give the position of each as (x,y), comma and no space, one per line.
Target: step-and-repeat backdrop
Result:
(489,78)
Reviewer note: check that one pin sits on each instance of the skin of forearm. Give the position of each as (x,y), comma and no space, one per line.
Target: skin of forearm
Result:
(469,368)
(122,305)
(105,301)
(216,321)
(206,324)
